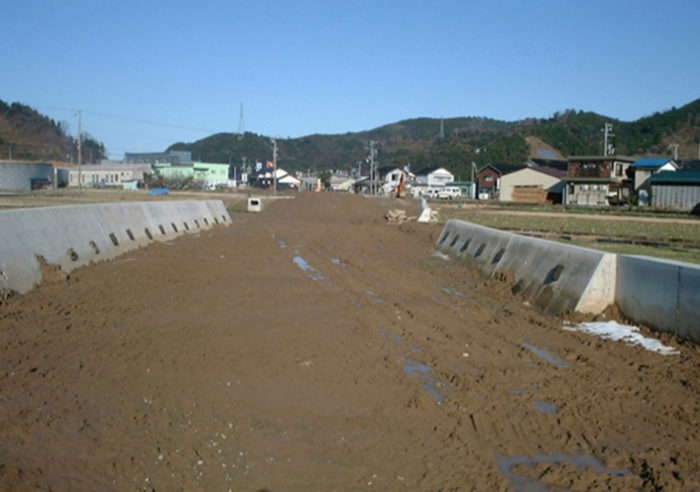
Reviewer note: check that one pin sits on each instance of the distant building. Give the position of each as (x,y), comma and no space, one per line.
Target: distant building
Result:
(434,177)
(174,157)
(17,175)
(597,180)
(107,175)
(676,189)
(540,184)
(644,168)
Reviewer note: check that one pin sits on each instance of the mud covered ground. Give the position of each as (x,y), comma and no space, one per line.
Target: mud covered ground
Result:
(316,347)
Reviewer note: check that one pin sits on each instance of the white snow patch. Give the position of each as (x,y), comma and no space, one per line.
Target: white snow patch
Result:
(442,256)
(611,330)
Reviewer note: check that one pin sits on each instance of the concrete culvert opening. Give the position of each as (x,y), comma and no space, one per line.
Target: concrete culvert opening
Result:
(497,257)
(162,229)
(465,245)
(206,222)
(148,233)
(454,241)
(216,220)
(554,274)
(196,222)
(187,227)
(223,218)
(114,239)
(173,226)
(444,237)
(479,251)
(130,234)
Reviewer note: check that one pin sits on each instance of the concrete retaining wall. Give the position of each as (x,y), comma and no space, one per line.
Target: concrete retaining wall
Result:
(664,295)
(558,277)
(72,236)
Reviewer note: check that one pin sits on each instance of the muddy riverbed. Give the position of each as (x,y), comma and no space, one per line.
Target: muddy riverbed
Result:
(316,347)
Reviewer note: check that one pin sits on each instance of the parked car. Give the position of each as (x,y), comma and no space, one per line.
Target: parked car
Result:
(449,193)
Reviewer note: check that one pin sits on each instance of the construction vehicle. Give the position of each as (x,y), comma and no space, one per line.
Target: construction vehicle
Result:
(400,189)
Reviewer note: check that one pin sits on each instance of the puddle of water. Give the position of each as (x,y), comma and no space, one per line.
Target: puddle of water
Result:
(549,356)
(282,244)
(301,263)
(546,407)
(522,483)
(371,293)
(523,391)
(392,338)
(432,385)
(447,290)
(337,261)
(611,330)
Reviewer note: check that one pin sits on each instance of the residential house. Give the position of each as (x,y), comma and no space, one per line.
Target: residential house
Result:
(644,168)
(677,189)
(391,177)
(434,177)
(265,178)
(342,183)
(489,179)
(597,180)
(539,184)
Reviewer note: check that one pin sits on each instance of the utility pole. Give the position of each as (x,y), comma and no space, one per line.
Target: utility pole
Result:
(372,166)
(274,165)
(674,146)
(80,151)
(608,149)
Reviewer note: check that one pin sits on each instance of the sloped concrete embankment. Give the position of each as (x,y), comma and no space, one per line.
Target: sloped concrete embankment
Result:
(74,235)
(559,277)
(663,294)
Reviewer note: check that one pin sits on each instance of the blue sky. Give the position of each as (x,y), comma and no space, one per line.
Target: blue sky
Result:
(147,74)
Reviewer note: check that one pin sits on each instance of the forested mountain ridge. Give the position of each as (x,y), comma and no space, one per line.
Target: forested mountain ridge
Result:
(26,134)
(456,142)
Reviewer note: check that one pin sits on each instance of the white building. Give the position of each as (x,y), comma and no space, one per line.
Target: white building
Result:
(434,177)
(107,175)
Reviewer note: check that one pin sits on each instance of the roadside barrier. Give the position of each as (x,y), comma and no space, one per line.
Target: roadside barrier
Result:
(74,235)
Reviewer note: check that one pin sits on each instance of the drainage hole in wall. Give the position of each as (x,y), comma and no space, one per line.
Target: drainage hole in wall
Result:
(196,222)
(216,220)
(497,257)
(444,237)
(114,239)
(465,246)
(206,222)
(148,233)
(130,234)
(517,287)
(162,229)
(223,217)
(554,274)
(72,254)
(480,250)
(94,247)
(187,227)
(174,226)
(454,241)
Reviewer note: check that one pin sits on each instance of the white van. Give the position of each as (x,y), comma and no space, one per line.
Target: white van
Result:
(449,193)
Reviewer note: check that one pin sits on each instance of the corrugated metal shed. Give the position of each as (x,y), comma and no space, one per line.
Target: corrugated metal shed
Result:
(677,189)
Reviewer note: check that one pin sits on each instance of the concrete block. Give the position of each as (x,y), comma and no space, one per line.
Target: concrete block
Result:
(255,204)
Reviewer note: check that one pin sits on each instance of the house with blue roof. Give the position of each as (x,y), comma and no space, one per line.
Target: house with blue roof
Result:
(644,168)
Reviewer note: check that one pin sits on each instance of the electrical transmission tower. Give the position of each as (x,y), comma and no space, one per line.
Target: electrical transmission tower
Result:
(241,125)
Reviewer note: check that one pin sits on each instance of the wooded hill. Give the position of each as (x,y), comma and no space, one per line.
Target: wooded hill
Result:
(26,134)
(418,142)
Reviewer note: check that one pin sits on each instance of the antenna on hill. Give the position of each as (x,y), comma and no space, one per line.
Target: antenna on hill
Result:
(241,125)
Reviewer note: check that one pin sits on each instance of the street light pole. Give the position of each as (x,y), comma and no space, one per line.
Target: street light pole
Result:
(80,151)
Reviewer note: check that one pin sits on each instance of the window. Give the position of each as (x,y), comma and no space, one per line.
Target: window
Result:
(489,178)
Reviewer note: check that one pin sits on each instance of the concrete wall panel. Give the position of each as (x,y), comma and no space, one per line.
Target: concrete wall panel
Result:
(662,294)
(72,236)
